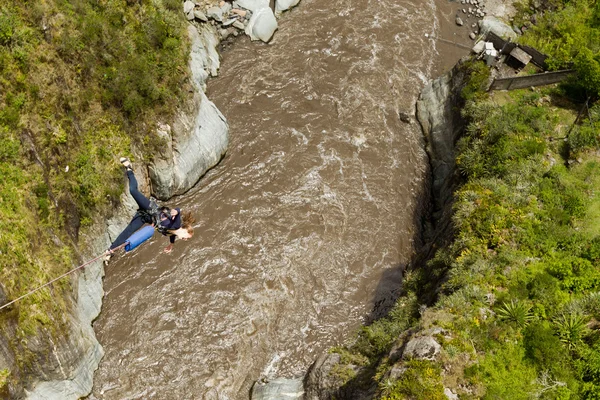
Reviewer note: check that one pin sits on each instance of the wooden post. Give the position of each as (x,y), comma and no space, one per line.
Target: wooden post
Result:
(578,115)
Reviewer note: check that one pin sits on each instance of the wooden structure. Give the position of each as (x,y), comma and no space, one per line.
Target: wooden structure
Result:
(517,58)
(519,82)
(506,47)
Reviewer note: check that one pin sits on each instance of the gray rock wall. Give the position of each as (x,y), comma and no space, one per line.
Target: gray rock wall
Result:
(199,135)
(438,112)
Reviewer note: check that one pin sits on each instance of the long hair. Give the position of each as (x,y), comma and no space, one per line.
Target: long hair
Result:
(187,220)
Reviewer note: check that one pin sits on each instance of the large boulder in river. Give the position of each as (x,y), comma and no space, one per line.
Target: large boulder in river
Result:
(284,5)
(252,5)
(199,135)
(262,25)
(278,389)
(493,24)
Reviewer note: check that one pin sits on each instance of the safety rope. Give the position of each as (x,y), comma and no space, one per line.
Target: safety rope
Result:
(63,275)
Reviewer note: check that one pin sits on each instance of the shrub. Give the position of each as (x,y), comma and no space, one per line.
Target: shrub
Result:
(585,136)
(576,274)
(515,312)
(589,365)
(582,138)
(504,373)
(544,349)
(587,65)
(478,77)
(420,381)
(7,26)
(571,328)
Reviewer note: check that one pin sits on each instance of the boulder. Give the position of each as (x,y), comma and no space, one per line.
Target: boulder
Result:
(493,24)
(284,5)
(278,389)
(188,6)
(479,47)
(252,5)
(200,16)
(422,348)
(225,8)
(204,58)
(239,25)
(188,10)
(215,13)
(319,383)
(450,394)
(262,25)
(199,141)
(199,134)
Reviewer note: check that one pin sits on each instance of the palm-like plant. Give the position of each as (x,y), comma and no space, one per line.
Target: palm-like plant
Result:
(571,328)
(515,312)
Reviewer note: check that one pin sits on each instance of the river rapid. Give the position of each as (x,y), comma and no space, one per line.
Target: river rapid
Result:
(305,226)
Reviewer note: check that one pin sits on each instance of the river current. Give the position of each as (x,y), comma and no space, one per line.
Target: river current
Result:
(305,226)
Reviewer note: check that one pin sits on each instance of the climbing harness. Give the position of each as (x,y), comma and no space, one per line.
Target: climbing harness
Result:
(152,216)
(62,276)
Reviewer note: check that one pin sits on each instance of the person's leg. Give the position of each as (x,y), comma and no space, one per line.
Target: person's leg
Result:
(139,198)
(135,224)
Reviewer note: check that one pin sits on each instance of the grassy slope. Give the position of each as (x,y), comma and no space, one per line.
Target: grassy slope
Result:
(80,81)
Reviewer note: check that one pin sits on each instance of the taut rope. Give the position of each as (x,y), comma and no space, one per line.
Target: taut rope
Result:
(62,276)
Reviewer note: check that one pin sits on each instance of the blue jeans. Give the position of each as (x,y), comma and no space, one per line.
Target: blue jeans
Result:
(137,222)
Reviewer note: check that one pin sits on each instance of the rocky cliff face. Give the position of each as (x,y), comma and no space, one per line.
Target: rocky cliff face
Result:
(197,138)
(438,112)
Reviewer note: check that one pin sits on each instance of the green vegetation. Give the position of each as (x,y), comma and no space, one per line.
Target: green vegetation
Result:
(421,380)
(80,80)
(518,287)
(570,35)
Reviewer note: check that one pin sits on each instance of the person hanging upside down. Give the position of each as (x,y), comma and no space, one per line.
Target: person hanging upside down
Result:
(172,223)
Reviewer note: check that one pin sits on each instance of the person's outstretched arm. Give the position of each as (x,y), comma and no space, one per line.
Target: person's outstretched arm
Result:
(169,248)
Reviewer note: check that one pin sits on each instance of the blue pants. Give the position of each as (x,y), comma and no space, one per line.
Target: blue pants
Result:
(137,222)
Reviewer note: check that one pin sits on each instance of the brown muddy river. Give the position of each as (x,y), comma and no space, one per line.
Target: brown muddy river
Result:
(305,226)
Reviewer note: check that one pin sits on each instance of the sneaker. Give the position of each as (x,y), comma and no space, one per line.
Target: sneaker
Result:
(126,163)
(107,258)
